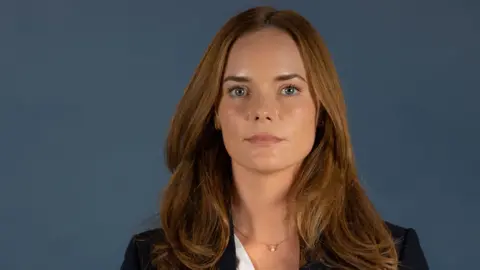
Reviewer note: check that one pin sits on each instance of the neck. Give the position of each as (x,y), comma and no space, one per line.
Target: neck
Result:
(260,207)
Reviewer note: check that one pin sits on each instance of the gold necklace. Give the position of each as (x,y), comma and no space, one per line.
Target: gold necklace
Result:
(270,247)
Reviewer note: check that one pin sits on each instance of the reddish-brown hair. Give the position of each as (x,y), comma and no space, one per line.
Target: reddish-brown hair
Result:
(337,223)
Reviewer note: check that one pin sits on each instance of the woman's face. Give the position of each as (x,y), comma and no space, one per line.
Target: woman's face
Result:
(266,114)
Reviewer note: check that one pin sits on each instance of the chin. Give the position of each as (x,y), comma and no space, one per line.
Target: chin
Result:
(267,166)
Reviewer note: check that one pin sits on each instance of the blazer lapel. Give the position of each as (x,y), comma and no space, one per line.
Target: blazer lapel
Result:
(228,261)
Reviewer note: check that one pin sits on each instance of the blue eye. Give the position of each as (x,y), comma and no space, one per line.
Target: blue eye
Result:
(290,90)
(237,92)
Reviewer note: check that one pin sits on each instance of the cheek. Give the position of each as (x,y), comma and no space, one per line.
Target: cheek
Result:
(303,124)
(232,130)
(304,115)
(230,115)
(301,113)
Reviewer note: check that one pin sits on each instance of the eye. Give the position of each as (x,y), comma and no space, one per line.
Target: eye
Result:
(237,91)
(290,90)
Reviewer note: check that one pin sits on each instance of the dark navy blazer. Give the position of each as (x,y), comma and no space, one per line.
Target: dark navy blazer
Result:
(139,250)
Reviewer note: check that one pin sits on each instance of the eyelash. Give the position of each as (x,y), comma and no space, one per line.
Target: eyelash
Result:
(233,88)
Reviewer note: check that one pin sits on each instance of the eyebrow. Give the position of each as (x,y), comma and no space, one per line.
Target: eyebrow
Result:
(279,78)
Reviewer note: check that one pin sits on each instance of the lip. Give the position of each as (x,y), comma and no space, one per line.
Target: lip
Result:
(263,138)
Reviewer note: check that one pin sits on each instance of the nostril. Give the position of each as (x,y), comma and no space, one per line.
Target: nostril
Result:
(264,117)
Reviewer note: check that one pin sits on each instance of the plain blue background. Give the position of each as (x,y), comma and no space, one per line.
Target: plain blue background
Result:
(87,89)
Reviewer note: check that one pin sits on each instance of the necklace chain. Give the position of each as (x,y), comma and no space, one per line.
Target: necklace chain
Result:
(270,247)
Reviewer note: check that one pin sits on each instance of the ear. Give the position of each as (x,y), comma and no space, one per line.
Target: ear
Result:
(216,122)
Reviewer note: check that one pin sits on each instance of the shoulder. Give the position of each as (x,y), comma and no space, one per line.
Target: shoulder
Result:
(138,254)
(410,252)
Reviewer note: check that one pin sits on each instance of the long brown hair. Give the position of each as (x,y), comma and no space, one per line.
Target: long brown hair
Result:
(337,224)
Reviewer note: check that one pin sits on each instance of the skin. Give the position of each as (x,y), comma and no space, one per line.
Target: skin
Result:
(265,91)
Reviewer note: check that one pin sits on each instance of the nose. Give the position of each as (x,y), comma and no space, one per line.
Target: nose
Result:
(262,116)
(262,109)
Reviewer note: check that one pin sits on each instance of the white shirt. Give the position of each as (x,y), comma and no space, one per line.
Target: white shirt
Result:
(244,262)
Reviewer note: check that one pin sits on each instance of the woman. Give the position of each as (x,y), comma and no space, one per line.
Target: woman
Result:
(263,175)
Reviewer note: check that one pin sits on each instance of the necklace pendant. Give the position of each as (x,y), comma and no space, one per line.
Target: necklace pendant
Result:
(272,248)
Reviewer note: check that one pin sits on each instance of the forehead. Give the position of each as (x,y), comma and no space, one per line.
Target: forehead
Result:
(265,51)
